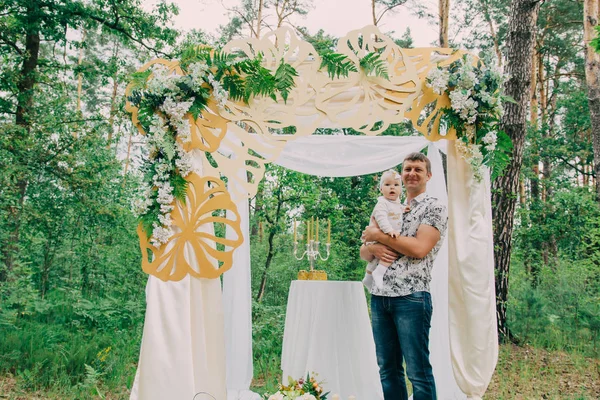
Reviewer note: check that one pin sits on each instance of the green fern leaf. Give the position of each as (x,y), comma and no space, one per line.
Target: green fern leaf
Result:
(284,79)
(234,84)
(371,63)
(139,79)
(337,65)
(180,186)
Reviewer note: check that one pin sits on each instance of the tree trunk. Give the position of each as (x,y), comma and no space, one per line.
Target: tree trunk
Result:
(373,12)
(113,98)
(520,42)
(25,87)
(263,280)
(444,12)
(493,34)
(591,13)
(259,18)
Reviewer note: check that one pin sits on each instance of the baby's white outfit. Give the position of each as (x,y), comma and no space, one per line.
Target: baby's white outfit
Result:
(388,215)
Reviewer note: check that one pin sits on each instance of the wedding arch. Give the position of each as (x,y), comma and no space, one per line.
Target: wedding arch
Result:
(212,148)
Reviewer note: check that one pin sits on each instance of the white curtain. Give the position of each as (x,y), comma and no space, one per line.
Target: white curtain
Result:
(472,300)
(181,342)
(439,345)
(347,155)
(339,156)
(237,307)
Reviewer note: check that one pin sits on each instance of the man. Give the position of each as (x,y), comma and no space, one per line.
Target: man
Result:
(401,309)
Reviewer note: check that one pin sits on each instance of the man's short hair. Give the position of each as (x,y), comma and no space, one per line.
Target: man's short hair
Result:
(416,156)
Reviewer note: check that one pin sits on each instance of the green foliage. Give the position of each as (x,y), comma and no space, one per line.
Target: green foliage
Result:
(284,79)
(179,187)
(500,158)
(371,63)
(337,64)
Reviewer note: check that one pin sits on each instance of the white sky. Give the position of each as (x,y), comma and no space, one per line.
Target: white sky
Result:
(335,17)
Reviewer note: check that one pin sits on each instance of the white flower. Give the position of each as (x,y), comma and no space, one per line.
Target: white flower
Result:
(437,79)
(62,164)
(166,208)
(184,130)
(487,98)
(160,235)
(165,219)
(158,128)
(490,147)
(276,396)
(162,81)
(490,138)
(163,168)
(165,195)
(471,154)
(142,201)
(197,71)
(307,396)
(467,77)
(140,206)
(462,102)
(221,95)
(176,110)
(55,137)
(184,161)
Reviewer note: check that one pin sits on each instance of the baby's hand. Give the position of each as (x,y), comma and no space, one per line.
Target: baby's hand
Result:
(394,234)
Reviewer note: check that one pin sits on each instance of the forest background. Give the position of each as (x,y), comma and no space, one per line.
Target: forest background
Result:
(71,286)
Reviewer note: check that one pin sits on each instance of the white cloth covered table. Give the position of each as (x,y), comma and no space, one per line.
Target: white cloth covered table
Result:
(328,331)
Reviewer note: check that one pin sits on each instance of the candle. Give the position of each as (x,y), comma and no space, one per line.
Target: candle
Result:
(328,231)
(295,230)
(312,227)
(308,231)
(317,239)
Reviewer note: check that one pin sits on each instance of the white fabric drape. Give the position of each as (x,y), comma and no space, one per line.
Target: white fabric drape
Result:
(183,346)
(237,305)
(439,344)
(472,303)
(338,156)
(182,352)
(183,349)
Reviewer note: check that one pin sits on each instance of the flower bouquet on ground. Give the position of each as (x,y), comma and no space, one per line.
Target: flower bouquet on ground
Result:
(301,389)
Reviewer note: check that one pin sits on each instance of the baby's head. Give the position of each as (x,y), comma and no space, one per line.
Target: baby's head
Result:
(390,184)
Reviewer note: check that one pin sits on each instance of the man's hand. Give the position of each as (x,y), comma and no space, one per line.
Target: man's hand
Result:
(371,233)
(382,252)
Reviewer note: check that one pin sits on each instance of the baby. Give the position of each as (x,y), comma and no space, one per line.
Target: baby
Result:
(387,215)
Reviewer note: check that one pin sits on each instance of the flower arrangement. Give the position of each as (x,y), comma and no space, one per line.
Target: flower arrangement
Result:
(475,92)
(168,103)
(301,389)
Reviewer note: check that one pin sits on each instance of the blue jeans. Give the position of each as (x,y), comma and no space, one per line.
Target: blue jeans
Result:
(401,330)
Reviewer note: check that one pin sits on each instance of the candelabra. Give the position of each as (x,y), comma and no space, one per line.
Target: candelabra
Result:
(312,250)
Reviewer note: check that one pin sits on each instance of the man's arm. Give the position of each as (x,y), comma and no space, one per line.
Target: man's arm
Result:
(380,251)
(417,247)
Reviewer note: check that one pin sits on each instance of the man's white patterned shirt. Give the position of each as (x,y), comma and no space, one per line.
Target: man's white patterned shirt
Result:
(407,275)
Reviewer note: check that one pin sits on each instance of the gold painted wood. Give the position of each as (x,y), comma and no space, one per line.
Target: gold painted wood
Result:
(194,248)
(241,138)
(426,110)
(316,275)
(172,66)
(369,104)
